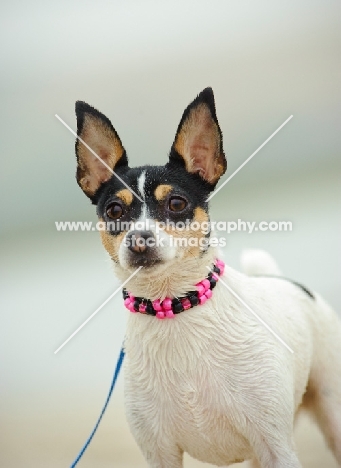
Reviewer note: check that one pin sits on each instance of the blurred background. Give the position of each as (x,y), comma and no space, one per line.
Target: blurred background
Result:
(141,63)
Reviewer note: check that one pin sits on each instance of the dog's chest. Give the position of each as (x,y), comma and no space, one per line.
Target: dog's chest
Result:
(177,386)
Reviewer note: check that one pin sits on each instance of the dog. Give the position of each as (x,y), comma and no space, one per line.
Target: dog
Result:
(202,375)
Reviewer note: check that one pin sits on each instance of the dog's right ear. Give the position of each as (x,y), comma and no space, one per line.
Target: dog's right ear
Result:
(99,149)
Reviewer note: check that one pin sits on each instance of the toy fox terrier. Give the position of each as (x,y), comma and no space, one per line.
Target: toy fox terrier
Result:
(202,375)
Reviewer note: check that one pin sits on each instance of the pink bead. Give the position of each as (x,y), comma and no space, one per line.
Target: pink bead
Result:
(127,301)
(169,314)
(167,304)
(222,269)
(157,305)
(202,299)
(206,284)
(200,288)
(142,308)
(132,298)
(131,307)
(214,276)
(208,294)
(220,263)
(160,315)
(186,304)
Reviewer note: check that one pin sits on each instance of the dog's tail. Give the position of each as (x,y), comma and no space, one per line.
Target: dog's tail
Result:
(258,262)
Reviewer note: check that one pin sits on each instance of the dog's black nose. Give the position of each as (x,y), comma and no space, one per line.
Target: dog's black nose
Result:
(139,241)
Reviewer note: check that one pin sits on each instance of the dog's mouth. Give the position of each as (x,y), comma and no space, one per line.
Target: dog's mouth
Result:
(144,260)
(141,249)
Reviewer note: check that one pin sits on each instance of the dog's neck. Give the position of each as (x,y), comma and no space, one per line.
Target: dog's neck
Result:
(174,279)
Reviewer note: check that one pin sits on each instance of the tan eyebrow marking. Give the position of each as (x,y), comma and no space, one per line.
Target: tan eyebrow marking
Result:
(126,196)
(162,191)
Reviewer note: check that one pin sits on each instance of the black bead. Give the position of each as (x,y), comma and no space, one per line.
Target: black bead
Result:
(136,306)
(125,293)
(193,293)
(216,269)
(194,300)
(213,283)
(177,308)
(150,310)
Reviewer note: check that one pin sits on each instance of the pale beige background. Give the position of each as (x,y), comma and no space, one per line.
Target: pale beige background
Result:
(141,63)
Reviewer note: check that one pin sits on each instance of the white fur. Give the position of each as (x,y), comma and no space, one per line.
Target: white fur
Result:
(215,383)
(140,184)
(258,262)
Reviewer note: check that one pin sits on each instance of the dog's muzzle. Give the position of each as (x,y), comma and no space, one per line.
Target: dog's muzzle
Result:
(142,248)
(139,242)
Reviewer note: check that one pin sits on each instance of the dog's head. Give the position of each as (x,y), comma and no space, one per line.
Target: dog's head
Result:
(152,212)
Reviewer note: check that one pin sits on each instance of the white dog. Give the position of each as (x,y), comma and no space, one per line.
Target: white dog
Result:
(202,374)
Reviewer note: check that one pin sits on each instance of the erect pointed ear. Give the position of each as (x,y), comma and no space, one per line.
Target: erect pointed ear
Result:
(100,137)
(198,141)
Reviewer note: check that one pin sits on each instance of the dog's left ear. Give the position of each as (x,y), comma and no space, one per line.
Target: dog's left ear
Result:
(198,142)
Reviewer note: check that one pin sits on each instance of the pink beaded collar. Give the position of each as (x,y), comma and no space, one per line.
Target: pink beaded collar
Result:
(169,307)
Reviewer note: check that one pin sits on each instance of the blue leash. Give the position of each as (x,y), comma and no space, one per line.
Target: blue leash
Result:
(87,443)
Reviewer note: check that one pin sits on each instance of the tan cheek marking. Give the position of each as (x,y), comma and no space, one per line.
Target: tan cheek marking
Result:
(112,243)
(126,196)
(162,191)
(200,216)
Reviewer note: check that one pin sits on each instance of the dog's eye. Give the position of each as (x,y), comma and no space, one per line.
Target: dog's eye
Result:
(177,203)
(115,210)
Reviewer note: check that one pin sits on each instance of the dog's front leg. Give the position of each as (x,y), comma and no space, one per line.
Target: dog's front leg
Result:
(274,447)
(163,457)
(157,447)
(254,464)
(289,461)
(283,457)
(154,436)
